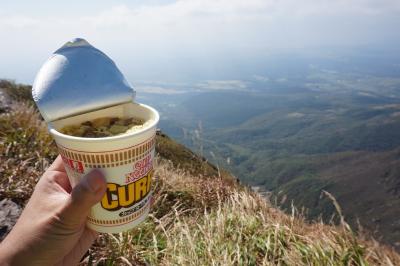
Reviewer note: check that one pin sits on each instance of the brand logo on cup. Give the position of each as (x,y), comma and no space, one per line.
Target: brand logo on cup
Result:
(76,166)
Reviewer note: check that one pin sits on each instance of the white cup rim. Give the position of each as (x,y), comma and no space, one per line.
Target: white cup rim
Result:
(153,123)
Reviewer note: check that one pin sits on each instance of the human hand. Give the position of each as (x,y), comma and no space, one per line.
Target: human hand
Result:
(51,229)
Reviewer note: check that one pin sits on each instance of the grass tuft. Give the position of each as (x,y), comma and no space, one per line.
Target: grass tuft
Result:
(17,92)
(26,150)
(234,227)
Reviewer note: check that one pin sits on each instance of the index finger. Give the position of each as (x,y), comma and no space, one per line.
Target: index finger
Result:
(57,165)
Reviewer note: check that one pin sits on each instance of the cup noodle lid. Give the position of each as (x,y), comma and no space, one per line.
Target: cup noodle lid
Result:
(76,79)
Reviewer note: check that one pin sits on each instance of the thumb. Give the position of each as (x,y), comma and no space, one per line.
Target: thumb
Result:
(84,195)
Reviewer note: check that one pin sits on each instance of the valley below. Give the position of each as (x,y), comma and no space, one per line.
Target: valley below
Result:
(299,131)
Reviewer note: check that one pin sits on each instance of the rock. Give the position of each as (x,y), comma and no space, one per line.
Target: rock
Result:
(5,101)
(9,213)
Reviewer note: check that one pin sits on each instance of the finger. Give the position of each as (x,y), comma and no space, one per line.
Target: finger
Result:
(56,173)
(84,195)
(84,243)
(55,180)
(60,179)
(57,165)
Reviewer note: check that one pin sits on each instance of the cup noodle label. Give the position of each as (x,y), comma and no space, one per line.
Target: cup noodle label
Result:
(128,173)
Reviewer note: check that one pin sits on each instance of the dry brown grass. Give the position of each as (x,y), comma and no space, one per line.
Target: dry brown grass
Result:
(226,225)
(175,192)
(26,150)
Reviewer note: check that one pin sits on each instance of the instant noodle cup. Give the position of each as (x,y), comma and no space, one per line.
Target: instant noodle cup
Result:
(79,83)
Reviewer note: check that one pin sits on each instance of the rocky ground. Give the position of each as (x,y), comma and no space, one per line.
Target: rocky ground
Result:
(5,101)
(9,213)
(9,210)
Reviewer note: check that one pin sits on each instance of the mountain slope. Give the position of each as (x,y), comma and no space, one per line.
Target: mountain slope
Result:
(365,184)
(199,217)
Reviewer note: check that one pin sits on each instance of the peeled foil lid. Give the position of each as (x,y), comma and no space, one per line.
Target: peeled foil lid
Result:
(76,79)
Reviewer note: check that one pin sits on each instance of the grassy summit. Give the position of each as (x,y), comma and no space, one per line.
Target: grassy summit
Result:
(200,216)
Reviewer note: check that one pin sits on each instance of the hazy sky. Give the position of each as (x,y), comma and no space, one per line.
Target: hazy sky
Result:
(154,39)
